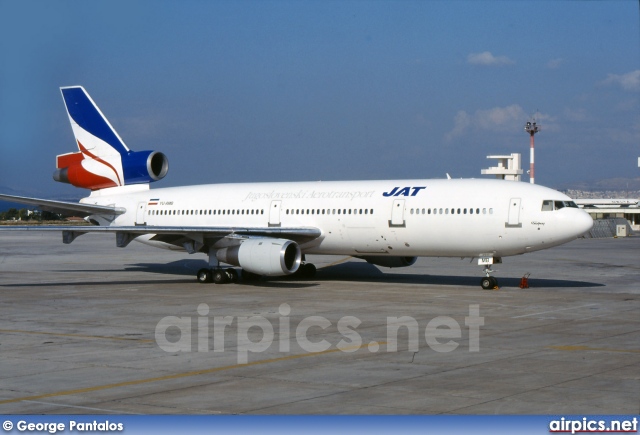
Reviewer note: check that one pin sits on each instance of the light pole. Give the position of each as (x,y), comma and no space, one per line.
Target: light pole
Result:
(532,128)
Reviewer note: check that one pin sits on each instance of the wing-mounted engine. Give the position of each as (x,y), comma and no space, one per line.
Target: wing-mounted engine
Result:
(264,256)
(390,261)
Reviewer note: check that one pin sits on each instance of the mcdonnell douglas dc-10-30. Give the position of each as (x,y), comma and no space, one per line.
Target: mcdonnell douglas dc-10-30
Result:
(266,229)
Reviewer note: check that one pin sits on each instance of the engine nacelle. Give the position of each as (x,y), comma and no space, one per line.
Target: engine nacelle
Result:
(390,261)
(144,167)
(264,256)
(92,172)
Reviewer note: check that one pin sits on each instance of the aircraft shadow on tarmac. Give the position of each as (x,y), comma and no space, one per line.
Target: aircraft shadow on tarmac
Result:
(354,271)
(357,271)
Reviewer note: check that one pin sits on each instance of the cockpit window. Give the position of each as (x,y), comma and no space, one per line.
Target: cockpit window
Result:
(549,205)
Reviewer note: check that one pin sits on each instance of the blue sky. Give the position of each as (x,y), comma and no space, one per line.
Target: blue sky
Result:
(235,91)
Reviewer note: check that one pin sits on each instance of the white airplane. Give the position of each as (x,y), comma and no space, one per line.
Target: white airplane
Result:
(267,228)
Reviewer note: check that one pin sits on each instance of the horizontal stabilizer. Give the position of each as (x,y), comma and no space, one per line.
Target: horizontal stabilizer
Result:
(65,207)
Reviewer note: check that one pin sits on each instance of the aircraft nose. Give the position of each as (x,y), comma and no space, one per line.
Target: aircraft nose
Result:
(583,223)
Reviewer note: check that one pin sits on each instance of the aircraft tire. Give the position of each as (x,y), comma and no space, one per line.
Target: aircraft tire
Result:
(487,283)
(232,274)
(204,276)
(220,277)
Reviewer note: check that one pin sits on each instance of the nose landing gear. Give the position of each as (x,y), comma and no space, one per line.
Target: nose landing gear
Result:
(488,282)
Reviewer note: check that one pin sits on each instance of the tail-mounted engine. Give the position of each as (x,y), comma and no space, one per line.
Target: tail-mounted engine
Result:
(83,169)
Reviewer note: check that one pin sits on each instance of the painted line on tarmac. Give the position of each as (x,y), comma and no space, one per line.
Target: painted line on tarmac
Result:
(589,348)
(181,375)
(554,311)
(93,337)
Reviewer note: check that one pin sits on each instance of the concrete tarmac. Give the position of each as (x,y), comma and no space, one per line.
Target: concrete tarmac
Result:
(91,328)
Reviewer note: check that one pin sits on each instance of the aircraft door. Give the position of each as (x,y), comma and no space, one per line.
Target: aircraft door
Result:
(274,213)
(514,213)
(397,214)
(140,213)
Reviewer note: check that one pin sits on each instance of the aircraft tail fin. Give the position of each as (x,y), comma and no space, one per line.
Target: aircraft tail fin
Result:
(103,159)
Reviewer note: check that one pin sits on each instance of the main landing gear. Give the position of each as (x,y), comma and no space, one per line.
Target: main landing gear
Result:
(230,275)
(217,276)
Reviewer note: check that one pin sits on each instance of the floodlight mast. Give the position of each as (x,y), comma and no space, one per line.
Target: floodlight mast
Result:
(532,128)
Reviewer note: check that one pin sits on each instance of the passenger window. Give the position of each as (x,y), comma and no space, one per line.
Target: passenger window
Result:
(371,212)
(490,211)
(547,205)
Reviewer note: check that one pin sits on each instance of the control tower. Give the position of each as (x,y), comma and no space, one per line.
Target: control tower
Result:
(509,167)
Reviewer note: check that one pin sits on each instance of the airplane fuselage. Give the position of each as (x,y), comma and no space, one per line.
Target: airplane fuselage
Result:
(455,218)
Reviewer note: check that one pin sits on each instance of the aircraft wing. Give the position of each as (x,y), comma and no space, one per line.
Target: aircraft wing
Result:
(64,206)
(191,238)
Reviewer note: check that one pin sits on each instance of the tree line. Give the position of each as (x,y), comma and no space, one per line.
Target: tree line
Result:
(28,215)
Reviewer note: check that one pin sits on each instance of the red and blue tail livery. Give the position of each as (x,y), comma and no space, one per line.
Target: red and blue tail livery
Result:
(103,159)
